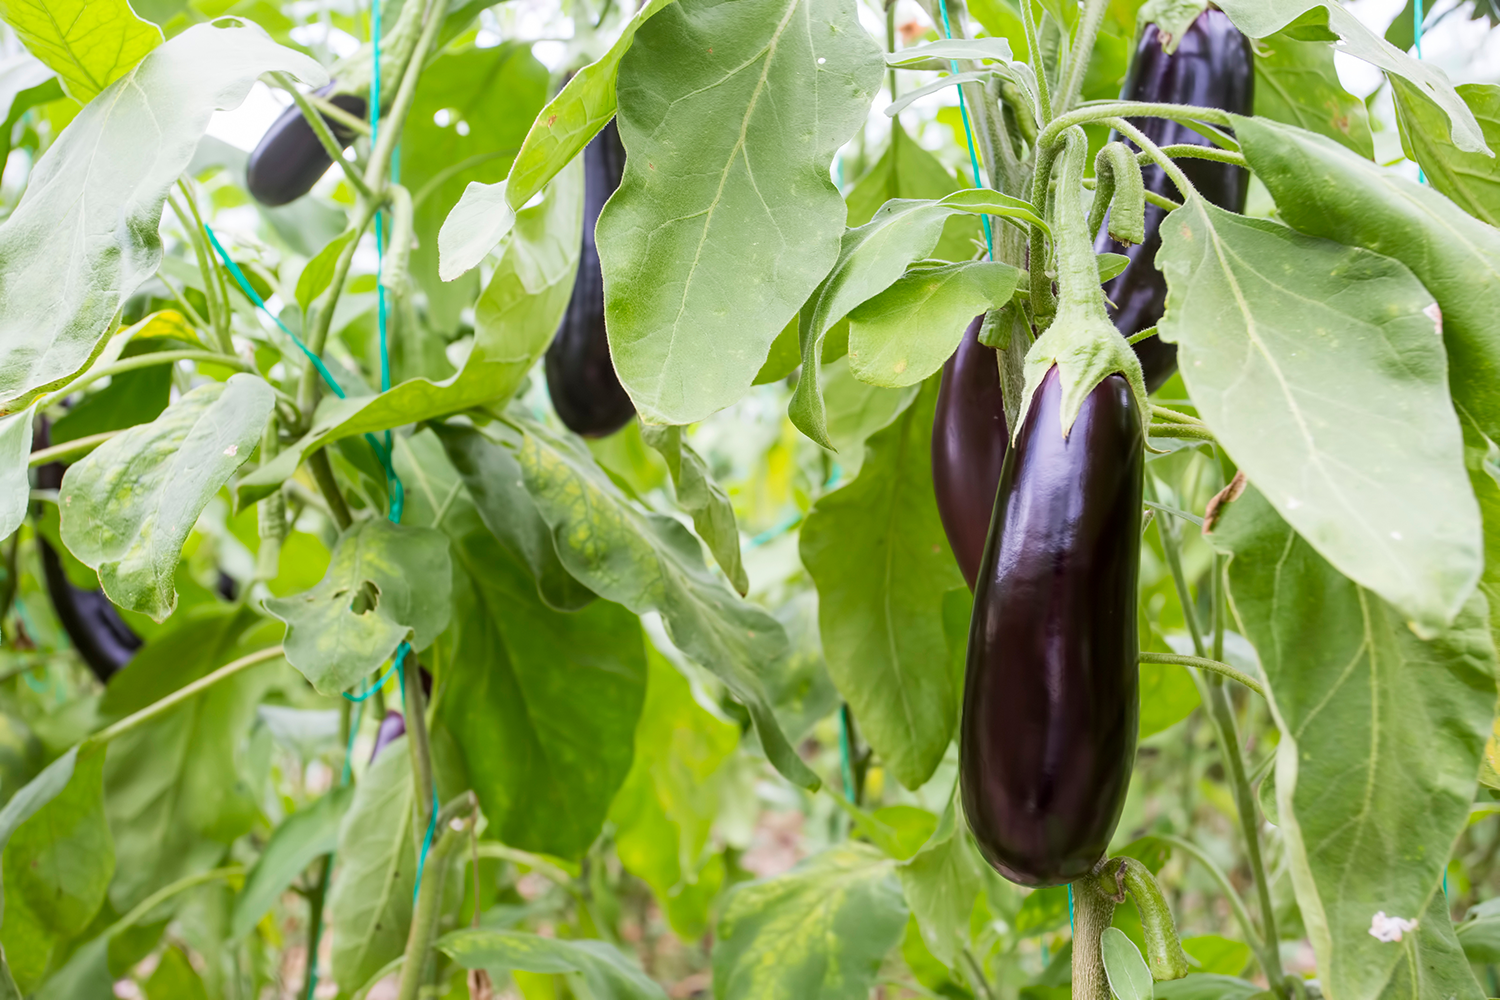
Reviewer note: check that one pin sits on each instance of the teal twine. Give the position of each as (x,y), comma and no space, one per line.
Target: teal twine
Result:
(1071,929)
(963,110)
(1417,18)
(369,692)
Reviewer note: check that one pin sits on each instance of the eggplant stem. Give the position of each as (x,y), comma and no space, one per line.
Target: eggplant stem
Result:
(1034,59)
(1093,911)
(1092,113)
(1190,151)
(1081,52)
(1236,903)
(1204,663)
(182,694)
(1153,152)
(330,145)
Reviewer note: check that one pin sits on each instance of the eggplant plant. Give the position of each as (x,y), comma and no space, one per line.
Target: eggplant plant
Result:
(747,498)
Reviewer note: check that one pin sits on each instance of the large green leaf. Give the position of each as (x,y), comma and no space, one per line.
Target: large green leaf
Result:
(941,882)
(1296,83)
(371,903)
(89,43)
(84,235)
(907,170)
(514,321)
(666,808)
(605,969)
(1319,369)
(1472,180)
(821,930)
(573,117)
(15,485)
(57,860)
(878,555)
(1381,739)
(703,499)
(496,489)
(727,218)
(1322,189)
(1259,18)
(302,838)
(487,98)
(905,333)
(338,632)
(650,562)
(128,507)
(175,788)
(543,703)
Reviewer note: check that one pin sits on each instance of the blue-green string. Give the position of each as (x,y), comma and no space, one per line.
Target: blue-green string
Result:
(1416,28)
(963,110)
(1071,929)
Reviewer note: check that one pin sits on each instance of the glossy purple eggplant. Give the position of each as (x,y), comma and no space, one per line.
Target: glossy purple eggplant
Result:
(93,624)
(392,728)
(968,447)
(1213,66)
(581,377)
(289,159)
(1051,708)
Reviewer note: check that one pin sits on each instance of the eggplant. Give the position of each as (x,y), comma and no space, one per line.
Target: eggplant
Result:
(92,623)
(289,159)
(581,377)
(392,728)
(969,438)
(1051,710)
(1213,67)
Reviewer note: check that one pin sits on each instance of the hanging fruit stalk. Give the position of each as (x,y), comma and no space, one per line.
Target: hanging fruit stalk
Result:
(289,159)
(969,439)
(1050,700)
(581,377)
(1212,66)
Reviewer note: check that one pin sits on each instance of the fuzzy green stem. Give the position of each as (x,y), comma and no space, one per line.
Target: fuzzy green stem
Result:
(1236,903)
(429,907)
(214,275)
(1174,429)
(331,146)
(1203,663)
(308,391)
(183,694)
(1164,954)
(322,471)
(1081,52)
(210,290)
(187,307)
(1034,59)
(417,739)
(146,361)
(1092,913)
(406,93)
(1154,152)
(1189,151)
(1100,113)
(70,449)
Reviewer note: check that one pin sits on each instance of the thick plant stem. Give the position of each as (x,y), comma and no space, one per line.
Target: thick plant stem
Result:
(214,275)
(183,694)
(210,292)
(1213,666)
(390,134)
(1092,913)
(307,391)
(315,900)
(429,907)
(418,740)
(1078,57)
(322,472)
(1034,58)
(1135,109)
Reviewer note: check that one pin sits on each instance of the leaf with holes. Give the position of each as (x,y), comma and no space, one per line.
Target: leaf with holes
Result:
(385,584)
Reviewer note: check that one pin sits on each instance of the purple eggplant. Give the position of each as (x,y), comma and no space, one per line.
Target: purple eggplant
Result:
(289,159)
(968,447)
(392,728)
(581,377)
(1051,710)
(1213,66)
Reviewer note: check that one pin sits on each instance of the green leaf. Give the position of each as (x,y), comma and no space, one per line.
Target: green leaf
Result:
(650,562)
(1479,934)
(89,43)
(878,555)
(857,410)
(128,507)
(490,96)
(1381,738)
(573,117)
(1129,979)
(606,970)
(318,274)
(1324,190)
(543,703)
(907,170)
(334,635)
(514,321)
(1043,910)
(1472,180)
(84,235)
(1259,18)
(131,398)
(1217,955)
(945,49)
(821,930)
(665,810)
(703,499)
(302,838)
(1318,368)
(905,333)
(175,978)
(727,218)
(15,453)
(941,883)
(370,906)
(1296,83)
(1168,695)
(1200,986)
(176,790)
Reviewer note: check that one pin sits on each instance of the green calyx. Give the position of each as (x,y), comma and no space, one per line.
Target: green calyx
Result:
(1164,955)
(1081,341)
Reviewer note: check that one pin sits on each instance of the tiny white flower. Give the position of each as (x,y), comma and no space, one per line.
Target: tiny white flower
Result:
(1389,929)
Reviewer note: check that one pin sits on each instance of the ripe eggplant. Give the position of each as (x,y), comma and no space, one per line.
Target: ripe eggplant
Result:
(1051,708)
(289,159)
(969,438)
(1212,67)
(92,623)
(392,728)
(581,377)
